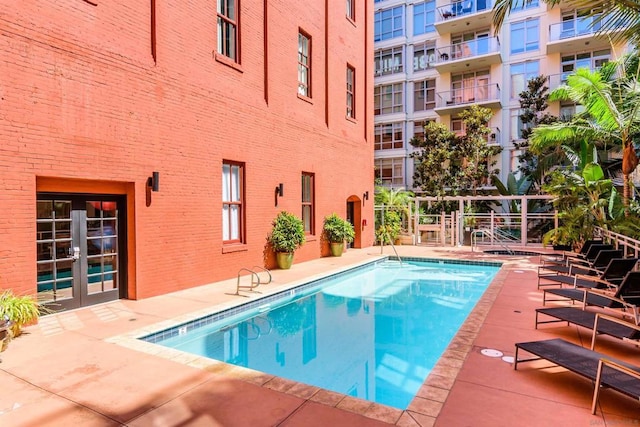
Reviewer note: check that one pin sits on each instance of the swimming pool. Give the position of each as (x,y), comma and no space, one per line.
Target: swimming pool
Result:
(374,332)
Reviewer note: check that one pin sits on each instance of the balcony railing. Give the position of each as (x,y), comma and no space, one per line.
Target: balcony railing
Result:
(463,8)
(575,28)
(470,95)
(468,49)
(492,139)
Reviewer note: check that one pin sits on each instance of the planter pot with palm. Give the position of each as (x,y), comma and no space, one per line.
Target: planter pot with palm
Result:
(16,311)
(337,231)
(286,236)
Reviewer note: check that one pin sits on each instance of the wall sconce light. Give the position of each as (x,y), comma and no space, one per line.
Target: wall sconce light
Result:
(153,181)
(279,192)
(365,196)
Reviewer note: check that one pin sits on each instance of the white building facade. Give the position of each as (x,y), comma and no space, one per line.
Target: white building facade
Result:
(433,59)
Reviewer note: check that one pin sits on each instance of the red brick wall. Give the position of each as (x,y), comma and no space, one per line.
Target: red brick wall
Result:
(82,101)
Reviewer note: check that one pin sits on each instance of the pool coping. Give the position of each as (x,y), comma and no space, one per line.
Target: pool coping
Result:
(423,409)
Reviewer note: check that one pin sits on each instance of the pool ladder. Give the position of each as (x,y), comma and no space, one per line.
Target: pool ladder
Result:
(392,247)
(255,278)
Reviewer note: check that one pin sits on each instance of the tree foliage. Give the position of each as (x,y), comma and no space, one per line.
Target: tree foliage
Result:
(450,164)
(533,104)
(611,117)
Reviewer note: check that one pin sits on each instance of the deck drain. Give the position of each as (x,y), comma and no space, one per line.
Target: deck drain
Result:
(491,352)
(508,359)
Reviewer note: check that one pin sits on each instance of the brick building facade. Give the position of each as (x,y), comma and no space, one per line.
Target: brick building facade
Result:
(97,96)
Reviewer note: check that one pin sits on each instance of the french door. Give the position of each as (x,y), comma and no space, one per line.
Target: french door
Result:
(80,246)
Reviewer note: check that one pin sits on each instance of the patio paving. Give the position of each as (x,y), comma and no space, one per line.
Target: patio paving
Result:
(85,366)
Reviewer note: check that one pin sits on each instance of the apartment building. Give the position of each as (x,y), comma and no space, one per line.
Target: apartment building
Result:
(147,146)
(435,58)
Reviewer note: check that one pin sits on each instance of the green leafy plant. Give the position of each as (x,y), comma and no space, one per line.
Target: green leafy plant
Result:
(390,228)
(338,230)
(287,234)
(21,310)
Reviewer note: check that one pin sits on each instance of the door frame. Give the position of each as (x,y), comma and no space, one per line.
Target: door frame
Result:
(82,297)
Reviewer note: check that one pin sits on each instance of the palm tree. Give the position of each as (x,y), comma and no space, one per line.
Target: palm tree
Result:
(620,15)
(612,114)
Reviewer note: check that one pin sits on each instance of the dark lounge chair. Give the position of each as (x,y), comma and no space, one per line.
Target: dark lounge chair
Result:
(609,278)
(608,325)
(605,371)
(562,258)
(595,262)
(626,295)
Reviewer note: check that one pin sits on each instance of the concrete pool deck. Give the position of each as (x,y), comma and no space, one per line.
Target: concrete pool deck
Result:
(85,367)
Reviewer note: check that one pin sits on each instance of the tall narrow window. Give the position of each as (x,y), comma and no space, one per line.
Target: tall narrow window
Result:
(307,202)
(228,28)
(351,92)
(304,64)
(232,202)
(351,9)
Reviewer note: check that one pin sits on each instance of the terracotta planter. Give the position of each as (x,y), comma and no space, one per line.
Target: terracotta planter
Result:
(337,248)
(284,259)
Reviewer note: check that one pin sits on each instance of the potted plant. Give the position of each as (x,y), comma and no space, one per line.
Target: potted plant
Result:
(338,231)
(20,309)
(286,236)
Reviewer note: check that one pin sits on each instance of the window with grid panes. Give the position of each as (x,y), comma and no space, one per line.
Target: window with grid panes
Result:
(232,202)
(388,136)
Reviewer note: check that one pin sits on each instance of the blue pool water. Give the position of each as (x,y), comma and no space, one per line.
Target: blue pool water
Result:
(374,332)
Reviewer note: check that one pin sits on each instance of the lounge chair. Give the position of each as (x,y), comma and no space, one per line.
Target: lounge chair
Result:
(605,371)
(596,261)
(608,325)
(609,278)
(625,295)
(562,258)
(587,259)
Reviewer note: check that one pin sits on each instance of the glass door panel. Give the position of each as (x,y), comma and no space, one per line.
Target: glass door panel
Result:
(77,251)
(54,250)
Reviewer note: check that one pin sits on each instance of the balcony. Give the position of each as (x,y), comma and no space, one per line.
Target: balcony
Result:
(463,15)
(575,35)
(455,101)
(467,55)
(556,80)
(493,139)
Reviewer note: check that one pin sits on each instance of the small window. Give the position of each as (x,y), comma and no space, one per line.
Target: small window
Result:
(519,6)
(304,64)
(232,202)
(388,99)
(521,73)
(424,17)
(388,61)
(351,92)
(390,172)
(388,23)
(525,36)
(228,28)
(308,209)
(424,95)
(351,9)
(424,56)
(388,136)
